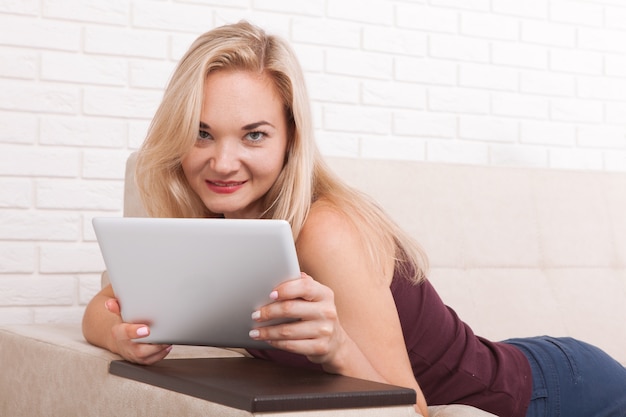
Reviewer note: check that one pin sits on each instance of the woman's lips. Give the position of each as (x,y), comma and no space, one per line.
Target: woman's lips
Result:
(224,187)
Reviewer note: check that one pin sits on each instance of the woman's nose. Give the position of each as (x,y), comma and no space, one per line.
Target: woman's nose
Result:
(225,159)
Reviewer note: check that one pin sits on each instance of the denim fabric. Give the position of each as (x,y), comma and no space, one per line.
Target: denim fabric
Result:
(572,378)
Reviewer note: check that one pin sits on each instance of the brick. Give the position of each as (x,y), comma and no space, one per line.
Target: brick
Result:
(602,39)
(226,3)
(333,88)
(488,128)
(455,151)
(427,71)
(311,57)
(602,136)
(70,258)
(150,74)
(374,11)
(273,23)
(26,7)
(104,164)
(125,42)
(427,18)
(137,131)
(88,286)
(488,76)
(176,17)
(548,33)
(393,148)
(458,100)
(547,133)
(424,124)
(546,83)
(519,105)
(520,55)
(489,26)
(577,13)
(527,8)
(26,225)
(338,144)
(459,48)
(616,17)
(16,193)
(116,12)
(83,132)
(518,155)
(359,64)
(480,5)
(615,112)
(18,128)
(37,290)
(16,63)
(58,315)
(179,43)
(38,98)
(394,94)
(308,8)
(576,110)
(84,69)
(325,32)
(17,258)
(37,161)
(15,315)
(395,41)
(602,88)
(121,103)
(79,195)
(615,161)
(576,159)
(356,119)
(615,65)
(36,33)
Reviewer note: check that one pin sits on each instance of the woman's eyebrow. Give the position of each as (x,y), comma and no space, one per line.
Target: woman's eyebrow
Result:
(255,125)
(204,126)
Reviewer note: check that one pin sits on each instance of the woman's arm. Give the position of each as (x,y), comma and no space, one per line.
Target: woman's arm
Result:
(349,324)
(103,326)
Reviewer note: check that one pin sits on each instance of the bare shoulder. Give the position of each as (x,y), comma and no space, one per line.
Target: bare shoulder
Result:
(327,230)
(331,245)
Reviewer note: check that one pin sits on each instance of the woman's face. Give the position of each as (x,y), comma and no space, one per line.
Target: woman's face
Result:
(241,144)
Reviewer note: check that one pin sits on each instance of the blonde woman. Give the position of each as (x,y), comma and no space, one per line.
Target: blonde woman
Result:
(233,138)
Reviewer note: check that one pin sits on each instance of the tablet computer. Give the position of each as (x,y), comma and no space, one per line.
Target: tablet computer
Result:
(196,281)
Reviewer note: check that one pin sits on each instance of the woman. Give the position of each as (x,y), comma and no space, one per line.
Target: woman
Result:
(233,138)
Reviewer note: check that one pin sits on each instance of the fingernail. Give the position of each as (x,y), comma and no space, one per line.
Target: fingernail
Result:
(142,331)
(274,295)
(106,305)
(256,315)
(254,333)
(169,348)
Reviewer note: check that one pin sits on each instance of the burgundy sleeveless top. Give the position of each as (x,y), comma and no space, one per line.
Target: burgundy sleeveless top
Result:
(450,363)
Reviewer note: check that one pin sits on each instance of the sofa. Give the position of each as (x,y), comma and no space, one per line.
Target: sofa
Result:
(514,251)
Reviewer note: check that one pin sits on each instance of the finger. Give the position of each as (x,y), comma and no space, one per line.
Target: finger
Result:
(305,288)
(128,331)
(147,354)
(113,306)
(296,309)
(300,330)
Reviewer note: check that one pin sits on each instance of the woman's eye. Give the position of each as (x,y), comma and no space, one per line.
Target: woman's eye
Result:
(203,135)
(255,136)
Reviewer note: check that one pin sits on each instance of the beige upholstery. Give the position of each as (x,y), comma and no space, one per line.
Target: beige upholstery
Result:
(516,252)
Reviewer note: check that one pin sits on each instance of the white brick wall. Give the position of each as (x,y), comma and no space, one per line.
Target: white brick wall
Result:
(538,83)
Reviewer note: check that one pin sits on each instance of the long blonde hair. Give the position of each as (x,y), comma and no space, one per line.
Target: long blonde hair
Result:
(304,178)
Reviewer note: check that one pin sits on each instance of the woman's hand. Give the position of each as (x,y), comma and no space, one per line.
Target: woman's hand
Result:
(121,339)
(316,333)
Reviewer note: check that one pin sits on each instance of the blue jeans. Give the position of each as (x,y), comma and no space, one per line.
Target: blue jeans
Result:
(572,378)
